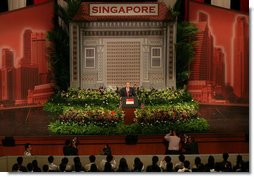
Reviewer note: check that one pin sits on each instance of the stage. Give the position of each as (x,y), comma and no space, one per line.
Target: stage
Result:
(228,132)
(33,121)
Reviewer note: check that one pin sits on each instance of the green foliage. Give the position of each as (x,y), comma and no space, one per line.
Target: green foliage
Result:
(94,112)
(166,113)
(192,125)
(186,41)
(163,97)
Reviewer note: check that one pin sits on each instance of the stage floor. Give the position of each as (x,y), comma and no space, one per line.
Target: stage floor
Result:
(34,121)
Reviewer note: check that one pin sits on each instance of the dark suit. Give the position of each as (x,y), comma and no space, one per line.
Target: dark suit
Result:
(123,92)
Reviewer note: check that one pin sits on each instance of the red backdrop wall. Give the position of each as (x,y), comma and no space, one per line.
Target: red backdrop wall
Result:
(220,71)
(23,55)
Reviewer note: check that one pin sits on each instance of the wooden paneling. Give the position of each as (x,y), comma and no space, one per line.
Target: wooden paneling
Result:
(207,143)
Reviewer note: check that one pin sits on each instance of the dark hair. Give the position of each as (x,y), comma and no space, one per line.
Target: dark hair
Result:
(65,160)
(78,167)
(92,158)
(35,166)
(51,159)
(225,156)
(20,160)
(27,145)
(29,166)
(181,157)
(210,164)
(168,159)
(239,159)
(138,165)
(186,164)
(123,166)
(76,160)
(155,159)
(197,161)
(108,167)
(35,163)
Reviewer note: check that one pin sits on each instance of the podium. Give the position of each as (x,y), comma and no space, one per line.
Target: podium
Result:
(129,104)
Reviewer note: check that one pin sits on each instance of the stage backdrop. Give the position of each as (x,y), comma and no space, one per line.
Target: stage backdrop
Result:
(220,68)
(24,72)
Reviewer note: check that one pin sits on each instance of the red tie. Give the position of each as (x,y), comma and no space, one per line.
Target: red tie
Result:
(127,92)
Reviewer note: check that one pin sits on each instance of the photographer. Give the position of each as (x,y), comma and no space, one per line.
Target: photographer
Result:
(173,142)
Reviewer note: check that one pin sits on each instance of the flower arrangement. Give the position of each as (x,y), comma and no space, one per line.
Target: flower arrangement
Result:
(97,112)
(100,116)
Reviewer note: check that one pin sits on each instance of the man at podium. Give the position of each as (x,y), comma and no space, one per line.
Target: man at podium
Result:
(127,91)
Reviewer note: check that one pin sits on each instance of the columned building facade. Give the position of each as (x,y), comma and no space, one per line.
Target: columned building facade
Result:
(124,42)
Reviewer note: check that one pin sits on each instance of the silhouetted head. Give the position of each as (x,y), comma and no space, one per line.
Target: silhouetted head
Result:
(20,160)
(181,158)
(50,159)
(155,160)
(225,156)
(92,158)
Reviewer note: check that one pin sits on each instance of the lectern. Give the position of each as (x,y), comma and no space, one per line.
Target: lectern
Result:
(129,104)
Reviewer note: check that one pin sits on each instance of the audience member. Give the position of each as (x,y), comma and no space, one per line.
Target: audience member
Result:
(28,149)
(225,164)
(165,162)
(180,164)
(20,166)
(77,167)
(186,167)
(45,168)
(154,167)
(15,168)
(93,168)
(138,166)
(92,159)
(169,167)
(62,167)
(198,167)
(123,166)
(111,160)
(35,166)
(29,167)
(240,164)
(108,167)
(174,142)
(52,167)
(64,162)
(209,167)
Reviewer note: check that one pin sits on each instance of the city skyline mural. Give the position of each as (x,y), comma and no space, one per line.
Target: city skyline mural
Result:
(24,69)
(220,67)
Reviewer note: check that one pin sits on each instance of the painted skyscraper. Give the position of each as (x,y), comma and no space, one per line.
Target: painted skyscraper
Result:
(241,57)
(7,76)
